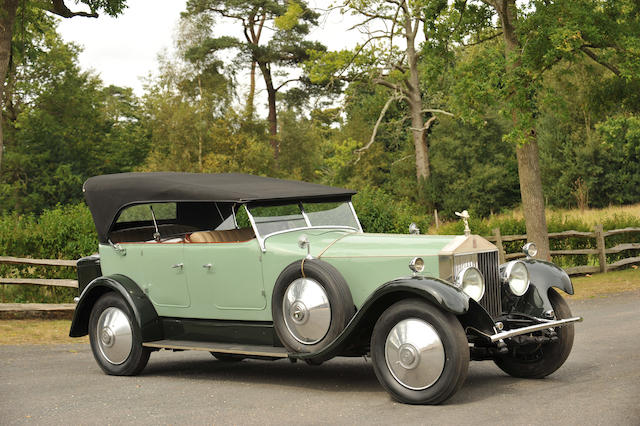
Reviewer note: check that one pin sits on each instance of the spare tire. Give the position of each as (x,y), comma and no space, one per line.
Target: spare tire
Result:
(311,305)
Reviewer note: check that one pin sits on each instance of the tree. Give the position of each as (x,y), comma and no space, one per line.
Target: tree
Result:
(379,59)
(8,11)
(536,36)
(67,128)
(274,32)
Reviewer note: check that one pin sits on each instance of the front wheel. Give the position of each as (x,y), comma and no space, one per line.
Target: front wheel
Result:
(115,337)
(420,353)
(538,360)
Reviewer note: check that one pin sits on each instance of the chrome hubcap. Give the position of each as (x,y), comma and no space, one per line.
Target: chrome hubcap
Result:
(414,354)
(114,335)
(306,310)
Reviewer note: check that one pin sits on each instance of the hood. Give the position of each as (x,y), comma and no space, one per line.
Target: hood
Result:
(387,245)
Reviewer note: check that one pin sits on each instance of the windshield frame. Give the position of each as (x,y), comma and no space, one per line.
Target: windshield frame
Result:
(262,238)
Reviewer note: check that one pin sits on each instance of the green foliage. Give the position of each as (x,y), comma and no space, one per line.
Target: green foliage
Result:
(67,128)
(64,232)
(473,169)
(379,212)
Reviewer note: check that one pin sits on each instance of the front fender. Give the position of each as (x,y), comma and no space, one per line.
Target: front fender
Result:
(145,314)
(358,331)
(543,275)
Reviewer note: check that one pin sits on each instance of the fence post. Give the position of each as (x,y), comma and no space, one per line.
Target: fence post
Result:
(501,254)
(435,215)
(602,255)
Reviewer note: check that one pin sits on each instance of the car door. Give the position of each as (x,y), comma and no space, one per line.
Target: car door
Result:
(225,280)
(157,268)
(164,274)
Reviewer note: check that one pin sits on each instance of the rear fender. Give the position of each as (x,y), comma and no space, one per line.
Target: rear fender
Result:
(145,314)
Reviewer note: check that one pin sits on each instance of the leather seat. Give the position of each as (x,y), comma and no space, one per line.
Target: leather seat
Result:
(227,236)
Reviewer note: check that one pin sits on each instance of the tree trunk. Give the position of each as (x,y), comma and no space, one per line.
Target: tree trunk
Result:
(7,17)
(415,102)
(527,154)
(532,196)
(273,117)
(249,109)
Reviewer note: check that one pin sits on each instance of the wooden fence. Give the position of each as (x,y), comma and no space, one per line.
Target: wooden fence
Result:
(601,251)
(20,310)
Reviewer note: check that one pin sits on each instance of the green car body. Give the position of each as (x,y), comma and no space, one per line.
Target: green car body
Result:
(228,291)
(174,270)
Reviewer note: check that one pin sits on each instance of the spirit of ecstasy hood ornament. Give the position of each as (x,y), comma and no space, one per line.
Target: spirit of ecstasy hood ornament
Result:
(465,218)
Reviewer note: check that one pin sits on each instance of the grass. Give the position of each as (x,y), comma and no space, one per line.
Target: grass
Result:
(588,216)
(37,331)
(598,285)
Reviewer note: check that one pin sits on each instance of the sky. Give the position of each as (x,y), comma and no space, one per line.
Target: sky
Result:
(124,50)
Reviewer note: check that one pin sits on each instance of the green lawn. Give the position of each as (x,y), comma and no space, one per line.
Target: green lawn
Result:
(598,285)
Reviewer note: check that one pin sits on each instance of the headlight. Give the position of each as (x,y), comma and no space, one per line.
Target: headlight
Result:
(416,265)
(530,249)
(472,282)
(517,276)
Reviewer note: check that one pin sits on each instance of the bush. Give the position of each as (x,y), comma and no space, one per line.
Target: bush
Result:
(64,232)
(380,212)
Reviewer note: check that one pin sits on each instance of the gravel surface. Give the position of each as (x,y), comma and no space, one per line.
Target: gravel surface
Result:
(62,384)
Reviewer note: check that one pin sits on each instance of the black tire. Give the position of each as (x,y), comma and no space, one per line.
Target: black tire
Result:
(454,344)
(224,357)
(138,355)
(535,361)
(337,293)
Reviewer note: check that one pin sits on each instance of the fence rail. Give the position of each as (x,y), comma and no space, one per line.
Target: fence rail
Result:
(54,282)
(598,234)
(37,310)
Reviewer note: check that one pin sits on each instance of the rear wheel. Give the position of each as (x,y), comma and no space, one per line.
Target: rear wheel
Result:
(420,354)
(115,337)
(537,360)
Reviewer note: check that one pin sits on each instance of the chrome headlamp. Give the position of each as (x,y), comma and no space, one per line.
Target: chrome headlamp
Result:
(517,276)
(530,249)
(471,281)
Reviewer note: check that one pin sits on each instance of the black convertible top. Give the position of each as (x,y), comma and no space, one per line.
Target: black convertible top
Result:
(106,195)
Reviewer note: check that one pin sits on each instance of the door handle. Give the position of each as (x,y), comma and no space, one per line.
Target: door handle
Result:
(178,265)
(207,266)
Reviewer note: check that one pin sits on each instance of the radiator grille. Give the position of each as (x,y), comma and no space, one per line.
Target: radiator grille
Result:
(488,265)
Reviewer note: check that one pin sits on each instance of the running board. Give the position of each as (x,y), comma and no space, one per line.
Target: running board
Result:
(225,348)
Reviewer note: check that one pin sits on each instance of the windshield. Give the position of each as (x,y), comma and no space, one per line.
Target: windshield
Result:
(269,220)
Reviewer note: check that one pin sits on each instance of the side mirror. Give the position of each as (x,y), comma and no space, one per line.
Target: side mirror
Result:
(303,242)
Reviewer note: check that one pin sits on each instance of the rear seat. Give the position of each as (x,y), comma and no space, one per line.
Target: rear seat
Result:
(228,236)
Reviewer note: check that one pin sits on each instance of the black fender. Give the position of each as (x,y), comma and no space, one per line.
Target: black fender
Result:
(357,333)
(543,275)
(145,314)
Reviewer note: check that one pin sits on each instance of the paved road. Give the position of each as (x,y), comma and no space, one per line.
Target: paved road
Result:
(61,384)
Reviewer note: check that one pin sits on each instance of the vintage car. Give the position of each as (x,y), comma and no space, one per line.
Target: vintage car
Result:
(254,267)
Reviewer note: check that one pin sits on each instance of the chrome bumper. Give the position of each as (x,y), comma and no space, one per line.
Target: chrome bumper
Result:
(537,327)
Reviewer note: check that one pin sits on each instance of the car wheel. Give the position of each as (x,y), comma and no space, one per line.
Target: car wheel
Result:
(311,305)
(224,357)
(538,360)
(115,337)
(420,353)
